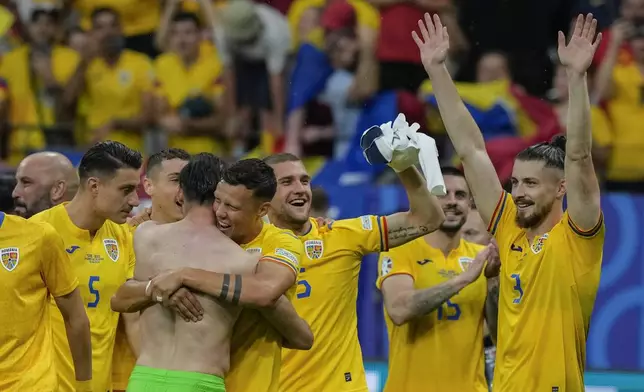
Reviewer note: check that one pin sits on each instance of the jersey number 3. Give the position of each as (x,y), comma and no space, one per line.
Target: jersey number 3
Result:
(94,291)
(517,288)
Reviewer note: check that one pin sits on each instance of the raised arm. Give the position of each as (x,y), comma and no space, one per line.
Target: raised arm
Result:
(403,302)
(461,128)
(425,213)
(582,187)
(295,332)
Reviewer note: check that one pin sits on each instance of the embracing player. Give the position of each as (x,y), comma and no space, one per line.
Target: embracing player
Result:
(328,281)
(100,248)
(551,259)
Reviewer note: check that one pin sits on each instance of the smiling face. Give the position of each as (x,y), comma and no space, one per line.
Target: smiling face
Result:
(238,211)
(535,189)
(455,204)
(292,201)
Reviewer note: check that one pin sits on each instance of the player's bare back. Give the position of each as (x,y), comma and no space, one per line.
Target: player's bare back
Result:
(167,341)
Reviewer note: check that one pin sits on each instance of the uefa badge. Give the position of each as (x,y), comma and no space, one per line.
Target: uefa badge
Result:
(314,249)
(387,265)
(465,262)
(10,258)
(111,248)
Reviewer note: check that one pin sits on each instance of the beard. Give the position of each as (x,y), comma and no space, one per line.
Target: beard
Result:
(452,228)
(535,218)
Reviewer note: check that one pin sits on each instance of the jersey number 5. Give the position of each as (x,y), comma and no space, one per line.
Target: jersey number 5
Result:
(94,291)
(453,311)
(307,287)
(517,288)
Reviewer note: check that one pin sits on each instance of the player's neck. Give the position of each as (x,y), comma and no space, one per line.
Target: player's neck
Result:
(443,241)
(81,213)
(546,225)
(159,216)
(252,234)
(201,215)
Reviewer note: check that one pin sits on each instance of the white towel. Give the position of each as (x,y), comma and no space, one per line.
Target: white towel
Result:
(400,146)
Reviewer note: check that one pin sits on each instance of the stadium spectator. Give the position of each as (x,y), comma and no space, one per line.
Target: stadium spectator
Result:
(139,18)
(253,41)
(620,84)
(43,180)
(630,12)
(202,8)
(189,90)
(33,79)
(117,82)
(7,183)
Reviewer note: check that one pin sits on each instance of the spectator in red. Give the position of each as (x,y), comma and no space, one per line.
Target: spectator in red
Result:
(631,12)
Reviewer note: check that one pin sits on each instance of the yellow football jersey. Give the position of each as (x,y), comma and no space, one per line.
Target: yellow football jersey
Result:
(256,347)
(102,264)
(326,299)
(33,266)
(176,83)
(123,359)
(547,294)
(115,91)
(417,349)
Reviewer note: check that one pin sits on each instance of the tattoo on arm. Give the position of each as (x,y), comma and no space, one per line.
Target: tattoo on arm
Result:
(225,288)
(400,235)
(425,301)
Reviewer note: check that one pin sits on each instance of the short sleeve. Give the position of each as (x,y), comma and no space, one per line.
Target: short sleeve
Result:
(586,247)
(56,266)
(502,225)
(394,262)
(366,234)
(130,252)
(283,247)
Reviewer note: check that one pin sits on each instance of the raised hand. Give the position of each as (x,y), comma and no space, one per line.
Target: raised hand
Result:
(493,265)
(434,43)
(578,54)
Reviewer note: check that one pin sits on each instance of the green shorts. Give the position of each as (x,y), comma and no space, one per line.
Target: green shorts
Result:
(147,379)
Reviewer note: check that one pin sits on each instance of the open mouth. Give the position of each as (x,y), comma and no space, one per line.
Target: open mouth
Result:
(224,226)
(297,202)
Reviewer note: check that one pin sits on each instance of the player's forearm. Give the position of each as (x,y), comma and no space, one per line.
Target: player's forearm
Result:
(424,209)
(247,290)
(492,306)
(295,332)
(578,133)
(80,345)
(461,128)
(422,302)
(131,297)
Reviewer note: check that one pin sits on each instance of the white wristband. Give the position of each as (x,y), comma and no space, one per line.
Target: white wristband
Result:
(147,287)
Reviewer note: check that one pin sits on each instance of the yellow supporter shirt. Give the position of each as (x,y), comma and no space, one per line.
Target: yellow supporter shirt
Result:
(24,108)
(34,266)
(137,16)
(419,348)
(626,111)
(366,16)
(176,82)
(116,92)
(102,264)
(256,347)
(547,293)
(326,299)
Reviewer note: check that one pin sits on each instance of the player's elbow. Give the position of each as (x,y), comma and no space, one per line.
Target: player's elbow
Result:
(303,341)
(117,305)
(398,315)
(77,321)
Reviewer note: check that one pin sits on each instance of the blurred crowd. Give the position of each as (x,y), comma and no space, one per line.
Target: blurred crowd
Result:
(238,78)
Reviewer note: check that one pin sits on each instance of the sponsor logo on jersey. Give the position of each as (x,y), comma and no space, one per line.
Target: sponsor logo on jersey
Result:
(366,222)
(314,249)
(539,243)
(10,258)
(465,262)
(288,255)
(72,249)
(111,248)
(387,265)
(423,261)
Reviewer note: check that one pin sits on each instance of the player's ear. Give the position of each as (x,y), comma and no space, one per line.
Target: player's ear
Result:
(147,186)
(263,209)
(561,189)
(57,191)
(92,185)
